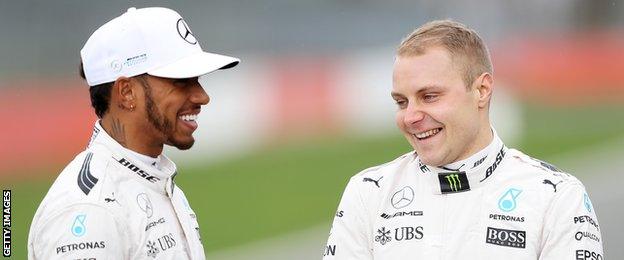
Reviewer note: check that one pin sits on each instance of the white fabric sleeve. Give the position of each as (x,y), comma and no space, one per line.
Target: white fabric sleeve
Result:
(571,229)
(349,237)
(82,231)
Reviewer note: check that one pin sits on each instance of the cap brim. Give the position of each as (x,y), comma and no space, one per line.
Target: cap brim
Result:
(198,64)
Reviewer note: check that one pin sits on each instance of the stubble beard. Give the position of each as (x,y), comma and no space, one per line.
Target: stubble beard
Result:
(162,124)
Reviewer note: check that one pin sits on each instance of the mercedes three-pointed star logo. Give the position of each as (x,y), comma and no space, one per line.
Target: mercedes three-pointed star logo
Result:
(185,32)
(145,204)
(402,198)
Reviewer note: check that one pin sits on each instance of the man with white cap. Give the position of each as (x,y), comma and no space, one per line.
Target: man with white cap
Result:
(117,199)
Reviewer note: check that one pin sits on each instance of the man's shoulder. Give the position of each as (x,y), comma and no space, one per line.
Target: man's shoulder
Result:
(82,174)
(376,179)
(385,169)
(85,180)
(369,186)
(526,166)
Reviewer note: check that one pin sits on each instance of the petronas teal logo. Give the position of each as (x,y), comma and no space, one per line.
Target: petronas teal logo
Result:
(587,203)
(507,202)
(78,228)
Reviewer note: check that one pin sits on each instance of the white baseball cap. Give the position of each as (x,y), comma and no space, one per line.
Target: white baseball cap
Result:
(153,40)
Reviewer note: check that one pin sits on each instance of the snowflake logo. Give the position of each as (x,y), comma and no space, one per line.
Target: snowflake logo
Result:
(152,250)
(383,237)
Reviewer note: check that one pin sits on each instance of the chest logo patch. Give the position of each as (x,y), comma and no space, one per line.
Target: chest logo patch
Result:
(507,201)
(587,203)
(383,236)
(78,228)
(402,198)
(506,237)
(145,204)
(451,182)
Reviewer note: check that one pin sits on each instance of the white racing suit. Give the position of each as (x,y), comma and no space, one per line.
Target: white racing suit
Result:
(108,205)
(499,204)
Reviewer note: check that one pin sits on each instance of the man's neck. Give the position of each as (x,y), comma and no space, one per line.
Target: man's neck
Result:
(475,158)
(129,136)
(484,138)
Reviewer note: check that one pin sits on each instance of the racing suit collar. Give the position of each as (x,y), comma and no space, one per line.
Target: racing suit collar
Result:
(146,159)
(466,174)
(158,178)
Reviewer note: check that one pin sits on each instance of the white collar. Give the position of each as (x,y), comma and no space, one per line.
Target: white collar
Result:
(469,173)
(148,160)
(136,164)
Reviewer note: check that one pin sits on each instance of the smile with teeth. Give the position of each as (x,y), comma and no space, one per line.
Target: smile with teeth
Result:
(429,133)
(188,117)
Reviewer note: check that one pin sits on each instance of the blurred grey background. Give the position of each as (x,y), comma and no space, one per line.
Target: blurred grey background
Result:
(42,38)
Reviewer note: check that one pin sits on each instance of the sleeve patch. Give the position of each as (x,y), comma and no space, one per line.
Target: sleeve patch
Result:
(86,181)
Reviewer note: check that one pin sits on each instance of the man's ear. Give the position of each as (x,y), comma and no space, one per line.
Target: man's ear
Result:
(125,93)
(484,85)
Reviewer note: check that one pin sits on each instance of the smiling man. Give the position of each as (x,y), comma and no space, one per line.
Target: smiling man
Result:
(461,194)
(118,199)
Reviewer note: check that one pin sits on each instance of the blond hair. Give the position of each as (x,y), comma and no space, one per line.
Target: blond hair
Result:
(464,45)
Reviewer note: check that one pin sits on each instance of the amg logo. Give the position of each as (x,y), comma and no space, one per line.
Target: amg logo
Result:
(401,214)
(137,170)
(506,237)
(79,246)
(154,223)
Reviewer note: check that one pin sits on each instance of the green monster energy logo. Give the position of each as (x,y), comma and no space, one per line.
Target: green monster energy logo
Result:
(453,181)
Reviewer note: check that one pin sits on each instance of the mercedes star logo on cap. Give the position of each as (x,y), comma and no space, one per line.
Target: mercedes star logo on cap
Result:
(185,32)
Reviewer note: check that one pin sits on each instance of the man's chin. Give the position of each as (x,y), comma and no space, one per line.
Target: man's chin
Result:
(181,145)
(184,146)
(430,159)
